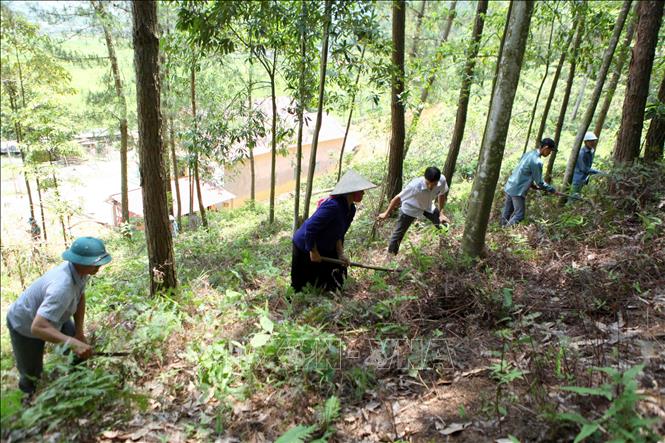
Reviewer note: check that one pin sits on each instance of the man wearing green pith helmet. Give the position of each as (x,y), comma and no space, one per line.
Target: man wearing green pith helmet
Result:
(44,311)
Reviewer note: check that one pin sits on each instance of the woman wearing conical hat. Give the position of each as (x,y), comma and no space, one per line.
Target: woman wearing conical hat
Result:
(322,235)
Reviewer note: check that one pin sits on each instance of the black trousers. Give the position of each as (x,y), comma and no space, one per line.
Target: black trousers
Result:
(327,276)
(29,356)
(402,225)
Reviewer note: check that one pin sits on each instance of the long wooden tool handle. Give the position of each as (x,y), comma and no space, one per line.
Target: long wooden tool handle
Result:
(358,265)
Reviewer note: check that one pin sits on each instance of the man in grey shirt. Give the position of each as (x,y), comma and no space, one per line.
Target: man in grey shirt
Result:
(44,310)
(416,199)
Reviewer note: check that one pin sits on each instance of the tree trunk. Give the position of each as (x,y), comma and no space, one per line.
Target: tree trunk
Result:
(251,143)
(176,174)
(580,94)
(498,121)
(104,18)
(496,68)
(616,75)
(627,149)
(416,34)
(58,198)
(351,106)
(197,179)
(319,111)
(424,94)
(273,150)
(602,74)
(463,101)
(157,227)
(550,97)
(13,100)
(653,150)
(396,156)
(536,102)
(301,112)
(41,207)
(566,94)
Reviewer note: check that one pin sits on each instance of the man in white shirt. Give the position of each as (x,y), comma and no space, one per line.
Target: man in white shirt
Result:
(417,202)
(44,311)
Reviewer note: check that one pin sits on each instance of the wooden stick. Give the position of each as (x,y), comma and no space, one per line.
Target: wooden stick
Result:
(359,265)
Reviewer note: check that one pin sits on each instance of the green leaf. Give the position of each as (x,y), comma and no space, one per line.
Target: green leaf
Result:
(266,324)
(259,340)
(296,435)
(604,391)
(331,410)
(587,430)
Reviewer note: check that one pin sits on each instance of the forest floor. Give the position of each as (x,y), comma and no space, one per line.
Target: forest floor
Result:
(502,349)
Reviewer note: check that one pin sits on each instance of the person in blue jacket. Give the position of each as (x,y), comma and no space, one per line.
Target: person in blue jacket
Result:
(528,173)
(584,162)
(322,235)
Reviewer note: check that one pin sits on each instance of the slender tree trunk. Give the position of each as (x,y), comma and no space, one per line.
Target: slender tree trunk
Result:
(104,18)
(41,207)
(416,34)
(176,173)
(616,75)
(319,111)
(190,182)
(58,198)
(251,143)
(157,227)
(273,150)
(566,94)
(19,132)
(550,97)
(496,68)
(463,101)
(650,14)
(396,157)
(301,112)
(536,103)
(653,150)
(602,74)
(197,179)
(580,94)
(424,94)
(498,120)
(351,106)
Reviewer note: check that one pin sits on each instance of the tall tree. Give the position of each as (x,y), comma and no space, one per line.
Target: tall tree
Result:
(555,82)
(431,77)
(155,209)
(653,149)
(465,89)
(419,24)
(496,129)
(616,74)
(578,30)
(536,103)
(396,155)
(104,20)
(195,157)
(649,17)
(319,112)
(600,80)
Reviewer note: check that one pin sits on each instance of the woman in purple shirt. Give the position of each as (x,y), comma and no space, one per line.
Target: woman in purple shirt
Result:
(322,235)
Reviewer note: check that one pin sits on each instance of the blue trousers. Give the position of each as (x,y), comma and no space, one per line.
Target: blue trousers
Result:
(513,210)
(29,356)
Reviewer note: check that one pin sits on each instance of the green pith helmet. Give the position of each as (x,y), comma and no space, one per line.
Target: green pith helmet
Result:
(87,251)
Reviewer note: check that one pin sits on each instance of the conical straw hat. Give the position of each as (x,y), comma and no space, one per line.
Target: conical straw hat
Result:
(351,181)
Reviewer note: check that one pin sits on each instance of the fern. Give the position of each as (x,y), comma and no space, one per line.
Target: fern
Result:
(299,434)
(331,411)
